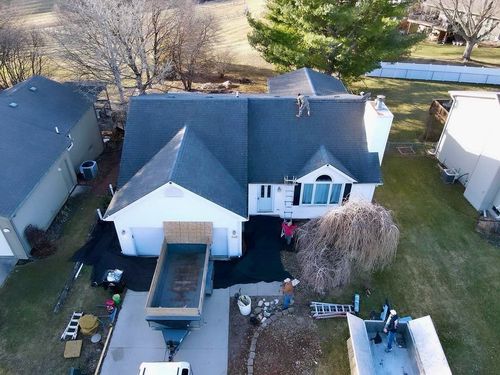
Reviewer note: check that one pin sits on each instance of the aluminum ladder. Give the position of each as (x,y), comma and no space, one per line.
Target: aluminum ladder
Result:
(289,194)
(320,310)
(71,330)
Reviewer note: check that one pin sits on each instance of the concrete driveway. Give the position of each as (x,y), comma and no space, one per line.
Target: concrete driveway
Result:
(206,348)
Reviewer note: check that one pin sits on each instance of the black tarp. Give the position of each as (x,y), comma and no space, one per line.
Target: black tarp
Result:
(261,261)
(103,252)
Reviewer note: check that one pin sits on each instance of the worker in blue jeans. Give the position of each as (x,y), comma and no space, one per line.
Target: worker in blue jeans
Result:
(390,328)
(287,289)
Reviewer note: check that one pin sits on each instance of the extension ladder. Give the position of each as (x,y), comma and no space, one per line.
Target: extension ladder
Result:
(71,330)
(320,310)
(289,193)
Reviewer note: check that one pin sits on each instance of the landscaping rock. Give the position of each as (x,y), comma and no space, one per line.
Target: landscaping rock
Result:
(260,303)
(266,304)
(250,370)
(291,310)
(252,355)
(257,310)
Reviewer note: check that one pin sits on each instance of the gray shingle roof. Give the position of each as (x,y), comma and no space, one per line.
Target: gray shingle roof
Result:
(185,160)
(29,145)
(321,158)
(280,144)
(307,82)
(240,140)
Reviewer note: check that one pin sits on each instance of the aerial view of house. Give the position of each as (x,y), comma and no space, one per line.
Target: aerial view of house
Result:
(195,157)
(249,187)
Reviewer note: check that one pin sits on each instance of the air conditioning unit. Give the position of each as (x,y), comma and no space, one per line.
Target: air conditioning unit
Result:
(449,175)
(495,212)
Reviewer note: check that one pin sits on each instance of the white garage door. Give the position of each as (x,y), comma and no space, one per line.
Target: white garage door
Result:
(148,241)
(219,242)
(5,250)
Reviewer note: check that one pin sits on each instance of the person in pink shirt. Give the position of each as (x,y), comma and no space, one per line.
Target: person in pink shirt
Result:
(288,228)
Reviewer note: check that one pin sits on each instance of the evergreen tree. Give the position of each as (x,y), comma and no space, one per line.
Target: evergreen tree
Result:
(346,37)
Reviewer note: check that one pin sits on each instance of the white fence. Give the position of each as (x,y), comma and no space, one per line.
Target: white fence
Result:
(430,72)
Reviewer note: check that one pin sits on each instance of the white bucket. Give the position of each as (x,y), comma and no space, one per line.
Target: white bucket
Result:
(245,304)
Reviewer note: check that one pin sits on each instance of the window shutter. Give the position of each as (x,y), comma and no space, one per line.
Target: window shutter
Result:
(296,194)
(347,192)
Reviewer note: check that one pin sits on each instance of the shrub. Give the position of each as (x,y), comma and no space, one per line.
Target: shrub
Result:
(357,238)
(41,245)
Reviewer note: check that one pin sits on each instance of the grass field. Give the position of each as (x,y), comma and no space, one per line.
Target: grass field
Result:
(443,269)
(453,54)
(29,330)
(409,101)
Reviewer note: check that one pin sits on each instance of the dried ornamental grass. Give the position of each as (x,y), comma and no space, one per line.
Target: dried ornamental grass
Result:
(356,238)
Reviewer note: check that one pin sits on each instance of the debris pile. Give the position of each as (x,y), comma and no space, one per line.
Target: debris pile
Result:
(265,309)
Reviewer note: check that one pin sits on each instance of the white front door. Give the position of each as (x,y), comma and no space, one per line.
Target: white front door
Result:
(148,241)
(5,250)
(219,242)
(265,198)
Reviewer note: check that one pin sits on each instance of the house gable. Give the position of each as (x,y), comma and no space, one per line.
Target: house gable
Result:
(328,170)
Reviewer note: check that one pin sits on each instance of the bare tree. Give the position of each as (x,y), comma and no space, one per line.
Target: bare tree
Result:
(191,42)
(222,61)
(357,238)
(471,19)
(21,50)
(116,41)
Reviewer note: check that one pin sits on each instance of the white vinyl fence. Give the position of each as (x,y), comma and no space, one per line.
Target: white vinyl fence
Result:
(432,72)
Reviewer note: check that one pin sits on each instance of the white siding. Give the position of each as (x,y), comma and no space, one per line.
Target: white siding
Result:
(5,250)
(377,128)
(174,203)
(359,191)
(470,144)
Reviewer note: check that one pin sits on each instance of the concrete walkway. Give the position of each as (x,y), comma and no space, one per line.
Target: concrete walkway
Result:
(206,348)
(6,267)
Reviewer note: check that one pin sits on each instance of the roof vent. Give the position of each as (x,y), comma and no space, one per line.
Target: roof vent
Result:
(33,89)
(379,102)
(13,105)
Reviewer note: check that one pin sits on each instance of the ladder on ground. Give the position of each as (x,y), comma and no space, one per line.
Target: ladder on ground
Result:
(289,194)
(320,310)
(71,330)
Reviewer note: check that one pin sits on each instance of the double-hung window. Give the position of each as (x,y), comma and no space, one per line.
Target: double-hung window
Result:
(322,192)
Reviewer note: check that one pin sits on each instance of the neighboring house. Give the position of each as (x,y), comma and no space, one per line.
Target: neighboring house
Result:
(469,145)
(221,158)
(429,18)
(46,130)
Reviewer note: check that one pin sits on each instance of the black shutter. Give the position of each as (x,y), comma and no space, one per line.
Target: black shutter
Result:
(347,192)
(296,194)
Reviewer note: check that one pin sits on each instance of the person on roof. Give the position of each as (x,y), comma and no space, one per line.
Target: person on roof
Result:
(390,328)
(303,104)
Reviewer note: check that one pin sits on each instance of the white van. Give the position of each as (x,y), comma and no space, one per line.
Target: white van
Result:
(165,368)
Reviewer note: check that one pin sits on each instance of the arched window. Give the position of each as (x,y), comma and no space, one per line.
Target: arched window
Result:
(324,177)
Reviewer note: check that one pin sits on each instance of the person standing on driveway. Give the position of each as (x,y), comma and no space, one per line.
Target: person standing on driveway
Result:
(390,328)
(287,289)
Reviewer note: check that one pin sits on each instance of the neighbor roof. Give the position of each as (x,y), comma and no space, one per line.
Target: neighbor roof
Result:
(29,144)
(184,160)
(307,82)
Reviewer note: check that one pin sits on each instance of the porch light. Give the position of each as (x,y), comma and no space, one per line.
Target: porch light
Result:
(6,230)
(279,189)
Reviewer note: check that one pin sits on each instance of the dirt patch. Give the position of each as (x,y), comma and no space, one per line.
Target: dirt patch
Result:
(290,345)
(240,334)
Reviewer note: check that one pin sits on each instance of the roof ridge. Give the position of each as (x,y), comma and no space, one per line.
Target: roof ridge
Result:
(313,89)
(180,150)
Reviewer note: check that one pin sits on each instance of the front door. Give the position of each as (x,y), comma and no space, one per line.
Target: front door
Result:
(265,198)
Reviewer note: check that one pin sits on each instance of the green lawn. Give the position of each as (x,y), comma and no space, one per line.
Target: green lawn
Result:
(29,331)
(409,101)
(443,269)
(453,54)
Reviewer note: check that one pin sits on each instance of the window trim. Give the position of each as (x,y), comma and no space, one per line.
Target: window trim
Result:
(330,183)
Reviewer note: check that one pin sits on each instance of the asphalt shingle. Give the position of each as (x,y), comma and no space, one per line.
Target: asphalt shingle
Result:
(29,144)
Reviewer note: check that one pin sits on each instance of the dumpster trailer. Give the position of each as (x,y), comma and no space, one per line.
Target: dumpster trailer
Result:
(182,278)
